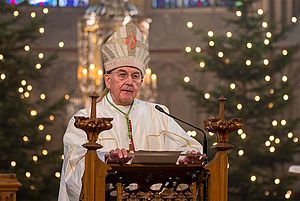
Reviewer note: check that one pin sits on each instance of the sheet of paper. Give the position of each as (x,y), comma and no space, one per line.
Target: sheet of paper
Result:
(155,157)
(294,169)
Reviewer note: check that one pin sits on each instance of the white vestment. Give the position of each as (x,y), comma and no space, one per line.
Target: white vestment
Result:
(151,130)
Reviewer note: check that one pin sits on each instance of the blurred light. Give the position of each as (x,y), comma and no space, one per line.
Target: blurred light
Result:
(239,106)
(243,136)
(220,54)
(189,24)
(41,127)
(266,61)
(26,48)
(2,76)
(202,64)
(41,30)
(48,137)
(193,133)
(84,71)
(271,91)
(266,41)
(211,43)
(241,152)
(248,62)
(67,97)
(277,181)
(267,143)
(45,10)
(42,96)
(32,14)
(284,52)
(1,57)
(41,55)
(267,193)
(13,163)
(16,13)
(264,24)
(186,79)
(271,137)
(44,152)
(240,131)
(26,94)
(198,49)
(238,13)
(249,45)
(290,135)
(210,33)
(38,66)
(268,34)
(232,86)
(25,138)
(51,117)
(35,158)
(257,98)
(267,78)
(228,34)
(21,90)
(283,122)
(61,44)
(277,140)
(33,112)
(285,97)
(62,157)
(270,105)
(260,11)
(284,78)
(294,19)
(23,82)
(57,174)
(27,174)
(295,139)
(274,123)
(210,133)
(227,61)
(188,49)
(272,149)
(29,87)
(206,96)
(253,178)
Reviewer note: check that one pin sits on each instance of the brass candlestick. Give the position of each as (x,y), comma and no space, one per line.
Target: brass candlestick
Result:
(222,128)
(92,125)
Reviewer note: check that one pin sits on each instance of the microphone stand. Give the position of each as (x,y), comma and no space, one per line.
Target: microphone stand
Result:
(205,150)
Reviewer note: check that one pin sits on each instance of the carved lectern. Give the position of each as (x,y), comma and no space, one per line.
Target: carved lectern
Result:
(9,185)
(156,182)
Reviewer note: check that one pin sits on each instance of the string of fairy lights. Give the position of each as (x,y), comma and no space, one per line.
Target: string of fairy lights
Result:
(25,89)
(272,140)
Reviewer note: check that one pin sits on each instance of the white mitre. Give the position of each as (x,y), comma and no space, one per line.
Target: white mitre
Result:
(126,47)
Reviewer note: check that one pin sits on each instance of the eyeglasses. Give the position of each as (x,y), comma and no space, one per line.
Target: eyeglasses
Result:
(123,75)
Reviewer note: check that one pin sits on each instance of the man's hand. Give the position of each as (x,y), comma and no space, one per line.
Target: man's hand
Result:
(193,157)
(119,156)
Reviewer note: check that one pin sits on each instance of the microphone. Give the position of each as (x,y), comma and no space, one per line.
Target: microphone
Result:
(199,129)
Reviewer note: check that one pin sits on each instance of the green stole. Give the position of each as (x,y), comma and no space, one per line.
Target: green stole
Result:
(128,122)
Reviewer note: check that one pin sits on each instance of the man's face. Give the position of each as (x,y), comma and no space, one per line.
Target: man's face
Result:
(124,83)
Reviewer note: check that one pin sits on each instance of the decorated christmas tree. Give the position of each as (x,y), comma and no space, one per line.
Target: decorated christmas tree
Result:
(25,112)
(250,65)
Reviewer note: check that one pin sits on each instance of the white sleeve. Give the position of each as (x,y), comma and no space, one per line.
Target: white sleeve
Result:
(177,139)
(73,165)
